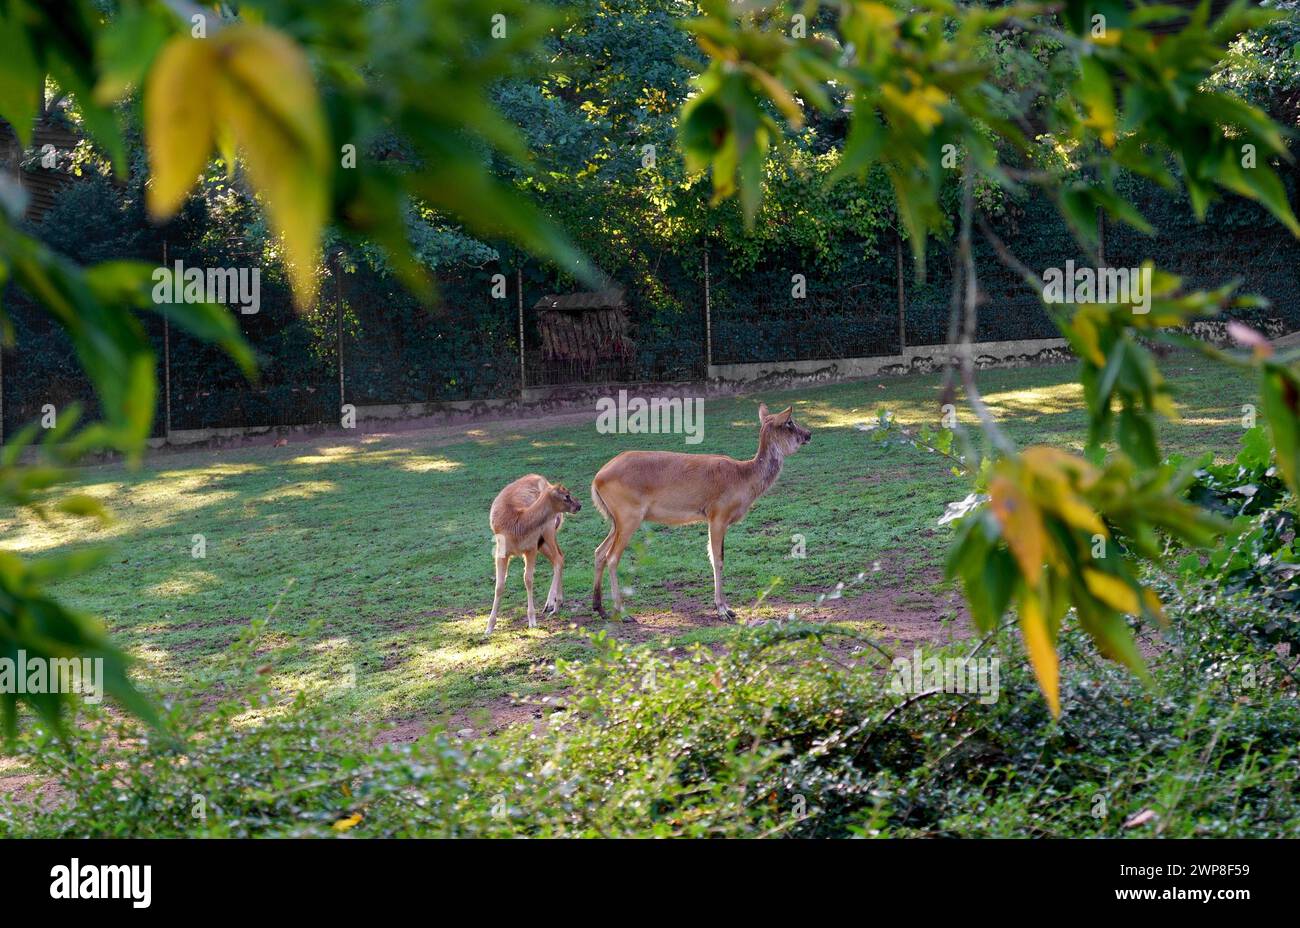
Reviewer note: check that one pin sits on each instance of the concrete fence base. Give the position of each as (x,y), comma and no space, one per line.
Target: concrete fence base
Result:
(921,359)
(723,379)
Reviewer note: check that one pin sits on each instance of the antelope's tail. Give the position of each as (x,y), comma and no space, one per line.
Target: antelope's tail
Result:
(599,503)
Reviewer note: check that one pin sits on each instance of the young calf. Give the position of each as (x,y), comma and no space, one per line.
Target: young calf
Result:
(525,517)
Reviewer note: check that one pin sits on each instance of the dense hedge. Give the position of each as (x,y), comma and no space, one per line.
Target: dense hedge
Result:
(1238,239)
(397,351)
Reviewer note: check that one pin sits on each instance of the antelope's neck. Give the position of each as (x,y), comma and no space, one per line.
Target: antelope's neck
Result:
(765,466)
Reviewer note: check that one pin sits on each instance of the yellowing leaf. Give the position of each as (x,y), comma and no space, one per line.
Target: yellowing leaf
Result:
(266,95)
(1163,404)
(345,824)
(178,121)
(1022,526)
(1111,590)
(1041,650)
(921,105)
(1098,96)
(1085,329)
(1053,468)
(879,15)
(778,94)
(252,86)
(1045,457)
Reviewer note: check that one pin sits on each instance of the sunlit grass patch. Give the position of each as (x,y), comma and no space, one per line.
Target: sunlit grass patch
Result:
(375,553)
(424,465)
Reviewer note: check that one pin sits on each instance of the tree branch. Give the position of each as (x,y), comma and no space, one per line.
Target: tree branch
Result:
(966,353)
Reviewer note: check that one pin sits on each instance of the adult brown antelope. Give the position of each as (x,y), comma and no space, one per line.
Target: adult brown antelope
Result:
(676,489)
(525,518)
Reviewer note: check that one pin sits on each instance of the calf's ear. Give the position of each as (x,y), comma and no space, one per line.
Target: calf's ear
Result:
(762,413)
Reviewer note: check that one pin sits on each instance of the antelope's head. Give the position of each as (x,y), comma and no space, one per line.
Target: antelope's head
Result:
(562,500)
(781,431)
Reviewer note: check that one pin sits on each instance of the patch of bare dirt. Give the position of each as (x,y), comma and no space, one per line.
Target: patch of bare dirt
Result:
(475,722)
(900,617)
(35,791)
(906,617)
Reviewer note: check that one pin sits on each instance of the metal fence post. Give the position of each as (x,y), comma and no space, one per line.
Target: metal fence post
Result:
(519,297)
(902,305)
(338,322)
(167,363)
(708,317)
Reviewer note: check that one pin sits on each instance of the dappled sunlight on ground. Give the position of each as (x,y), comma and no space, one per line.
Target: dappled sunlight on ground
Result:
(303,490)
(330,455)
(151,655)
(378,552)
(210,470)
(425,464)
(1039,401)
(155,503)
(493,441)
(330,645)
(185,583)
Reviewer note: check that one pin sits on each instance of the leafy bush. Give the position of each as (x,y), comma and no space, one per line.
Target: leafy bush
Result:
(1262,560)
(787,732)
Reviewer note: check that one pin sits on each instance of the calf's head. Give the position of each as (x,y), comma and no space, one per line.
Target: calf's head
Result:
(562,500)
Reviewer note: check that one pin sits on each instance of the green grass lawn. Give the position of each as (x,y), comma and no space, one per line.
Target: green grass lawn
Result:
(375,550)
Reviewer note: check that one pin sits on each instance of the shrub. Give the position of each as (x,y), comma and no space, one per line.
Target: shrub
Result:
(779,734)
(1261,562)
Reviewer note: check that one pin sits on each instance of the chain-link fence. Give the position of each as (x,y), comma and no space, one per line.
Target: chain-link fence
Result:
(367,342)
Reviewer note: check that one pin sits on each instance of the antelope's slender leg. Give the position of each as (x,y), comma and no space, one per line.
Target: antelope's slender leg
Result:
(602,557)
(530,563)
(616,549)
(555,597)
(501,565)
(717,536)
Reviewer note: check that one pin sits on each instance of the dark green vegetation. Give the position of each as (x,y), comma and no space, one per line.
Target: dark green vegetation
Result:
(600,89)
(777,735)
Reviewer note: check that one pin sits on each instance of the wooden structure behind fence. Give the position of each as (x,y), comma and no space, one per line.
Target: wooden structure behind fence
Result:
(585,337)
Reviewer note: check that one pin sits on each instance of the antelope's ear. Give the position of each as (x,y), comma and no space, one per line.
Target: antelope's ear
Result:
(781,418)
(762,413)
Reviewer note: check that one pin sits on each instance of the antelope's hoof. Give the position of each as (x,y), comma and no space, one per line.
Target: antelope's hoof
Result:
(551,609)
(725,612)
